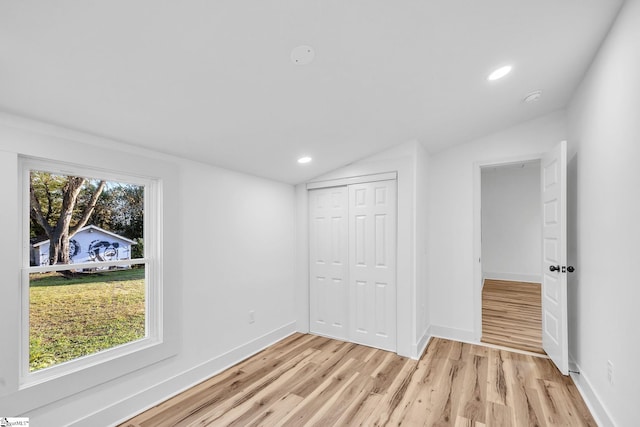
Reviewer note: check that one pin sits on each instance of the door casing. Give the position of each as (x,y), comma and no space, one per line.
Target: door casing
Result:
(477,226)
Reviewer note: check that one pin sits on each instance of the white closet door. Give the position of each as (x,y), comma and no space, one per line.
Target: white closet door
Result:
(328,255)
(372,264)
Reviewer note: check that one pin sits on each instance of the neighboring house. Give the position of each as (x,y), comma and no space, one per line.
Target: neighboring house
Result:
(89,244)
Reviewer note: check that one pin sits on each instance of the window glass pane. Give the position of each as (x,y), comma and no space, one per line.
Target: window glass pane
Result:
(85,309)
(77,220)
(85,314)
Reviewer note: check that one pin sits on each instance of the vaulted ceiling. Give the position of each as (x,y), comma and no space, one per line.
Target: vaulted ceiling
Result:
(214,80)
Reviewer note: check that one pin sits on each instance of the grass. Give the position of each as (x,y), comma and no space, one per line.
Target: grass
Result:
(71,318)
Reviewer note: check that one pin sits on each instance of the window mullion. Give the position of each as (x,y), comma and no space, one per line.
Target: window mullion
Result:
(86,265)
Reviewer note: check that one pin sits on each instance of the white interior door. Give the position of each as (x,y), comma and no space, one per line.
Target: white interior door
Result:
(555,339)
(328,255)
(372,264)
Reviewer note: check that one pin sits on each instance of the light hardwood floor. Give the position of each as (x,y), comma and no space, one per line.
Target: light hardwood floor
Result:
(512,315)
(307,380)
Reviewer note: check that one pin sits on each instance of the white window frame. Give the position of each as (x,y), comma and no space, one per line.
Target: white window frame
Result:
(71,152)
(153,277)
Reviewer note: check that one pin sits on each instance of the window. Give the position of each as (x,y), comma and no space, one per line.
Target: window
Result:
(90,284)
(87,273)
(32,375)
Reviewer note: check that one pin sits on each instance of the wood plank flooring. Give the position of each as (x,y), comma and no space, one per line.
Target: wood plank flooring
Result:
(307,380)
(512,315)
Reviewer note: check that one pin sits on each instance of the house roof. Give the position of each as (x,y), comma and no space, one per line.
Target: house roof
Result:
(91,228)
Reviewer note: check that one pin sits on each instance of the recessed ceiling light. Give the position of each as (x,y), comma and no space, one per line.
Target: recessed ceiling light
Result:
(499,73)
(305,159)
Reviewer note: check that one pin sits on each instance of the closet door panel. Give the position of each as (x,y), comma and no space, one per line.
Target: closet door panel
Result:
(372,264)
(328,267)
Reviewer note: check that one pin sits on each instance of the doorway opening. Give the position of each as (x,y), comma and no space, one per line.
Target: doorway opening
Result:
(511,260)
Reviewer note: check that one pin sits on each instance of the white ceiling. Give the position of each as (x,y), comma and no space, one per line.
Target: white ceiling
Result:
(213,80)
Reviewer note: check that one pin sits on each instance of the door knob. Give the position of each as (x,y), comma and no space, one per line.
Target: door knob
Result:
(570,269)
(554,268)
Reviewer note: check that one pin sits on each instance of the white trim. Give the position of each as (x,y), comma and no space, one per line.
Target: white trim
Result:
(361,179)
(52,373)
(452,334)
(11,263)
(143,400)
(478,279)
(405,286)
(97,170)
(349,333)
(161,180)
(420,346)
(599,412)
(153,280)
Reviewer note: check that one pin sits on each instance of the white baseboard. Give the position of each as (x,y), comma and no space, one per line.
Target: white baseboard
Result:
(152,396)
(590,397)
(418,348)
(514,277)
(452,333)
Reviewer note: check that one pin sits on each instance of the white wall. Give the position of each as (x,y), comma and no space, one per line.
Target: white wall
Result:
(511,222)
(604,146)
(453,291)
(235,252)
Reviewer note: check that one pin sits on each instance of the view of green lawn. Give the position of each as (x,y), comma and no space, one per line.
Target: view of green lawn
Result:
(70,318)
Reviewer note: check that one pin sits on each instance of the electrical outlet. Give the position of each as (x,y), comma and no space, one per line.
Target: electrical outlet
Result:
(610,371)
(252,316)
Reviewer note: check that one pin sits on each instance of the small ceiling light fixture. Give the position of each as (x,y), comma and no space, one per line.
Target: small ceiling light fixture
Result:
(305,159)
(533,96)
(499,73)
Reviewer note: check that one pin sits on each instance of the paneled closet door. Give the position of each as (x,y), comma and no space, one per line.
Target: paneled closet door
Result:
(328,256)
(372,264)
